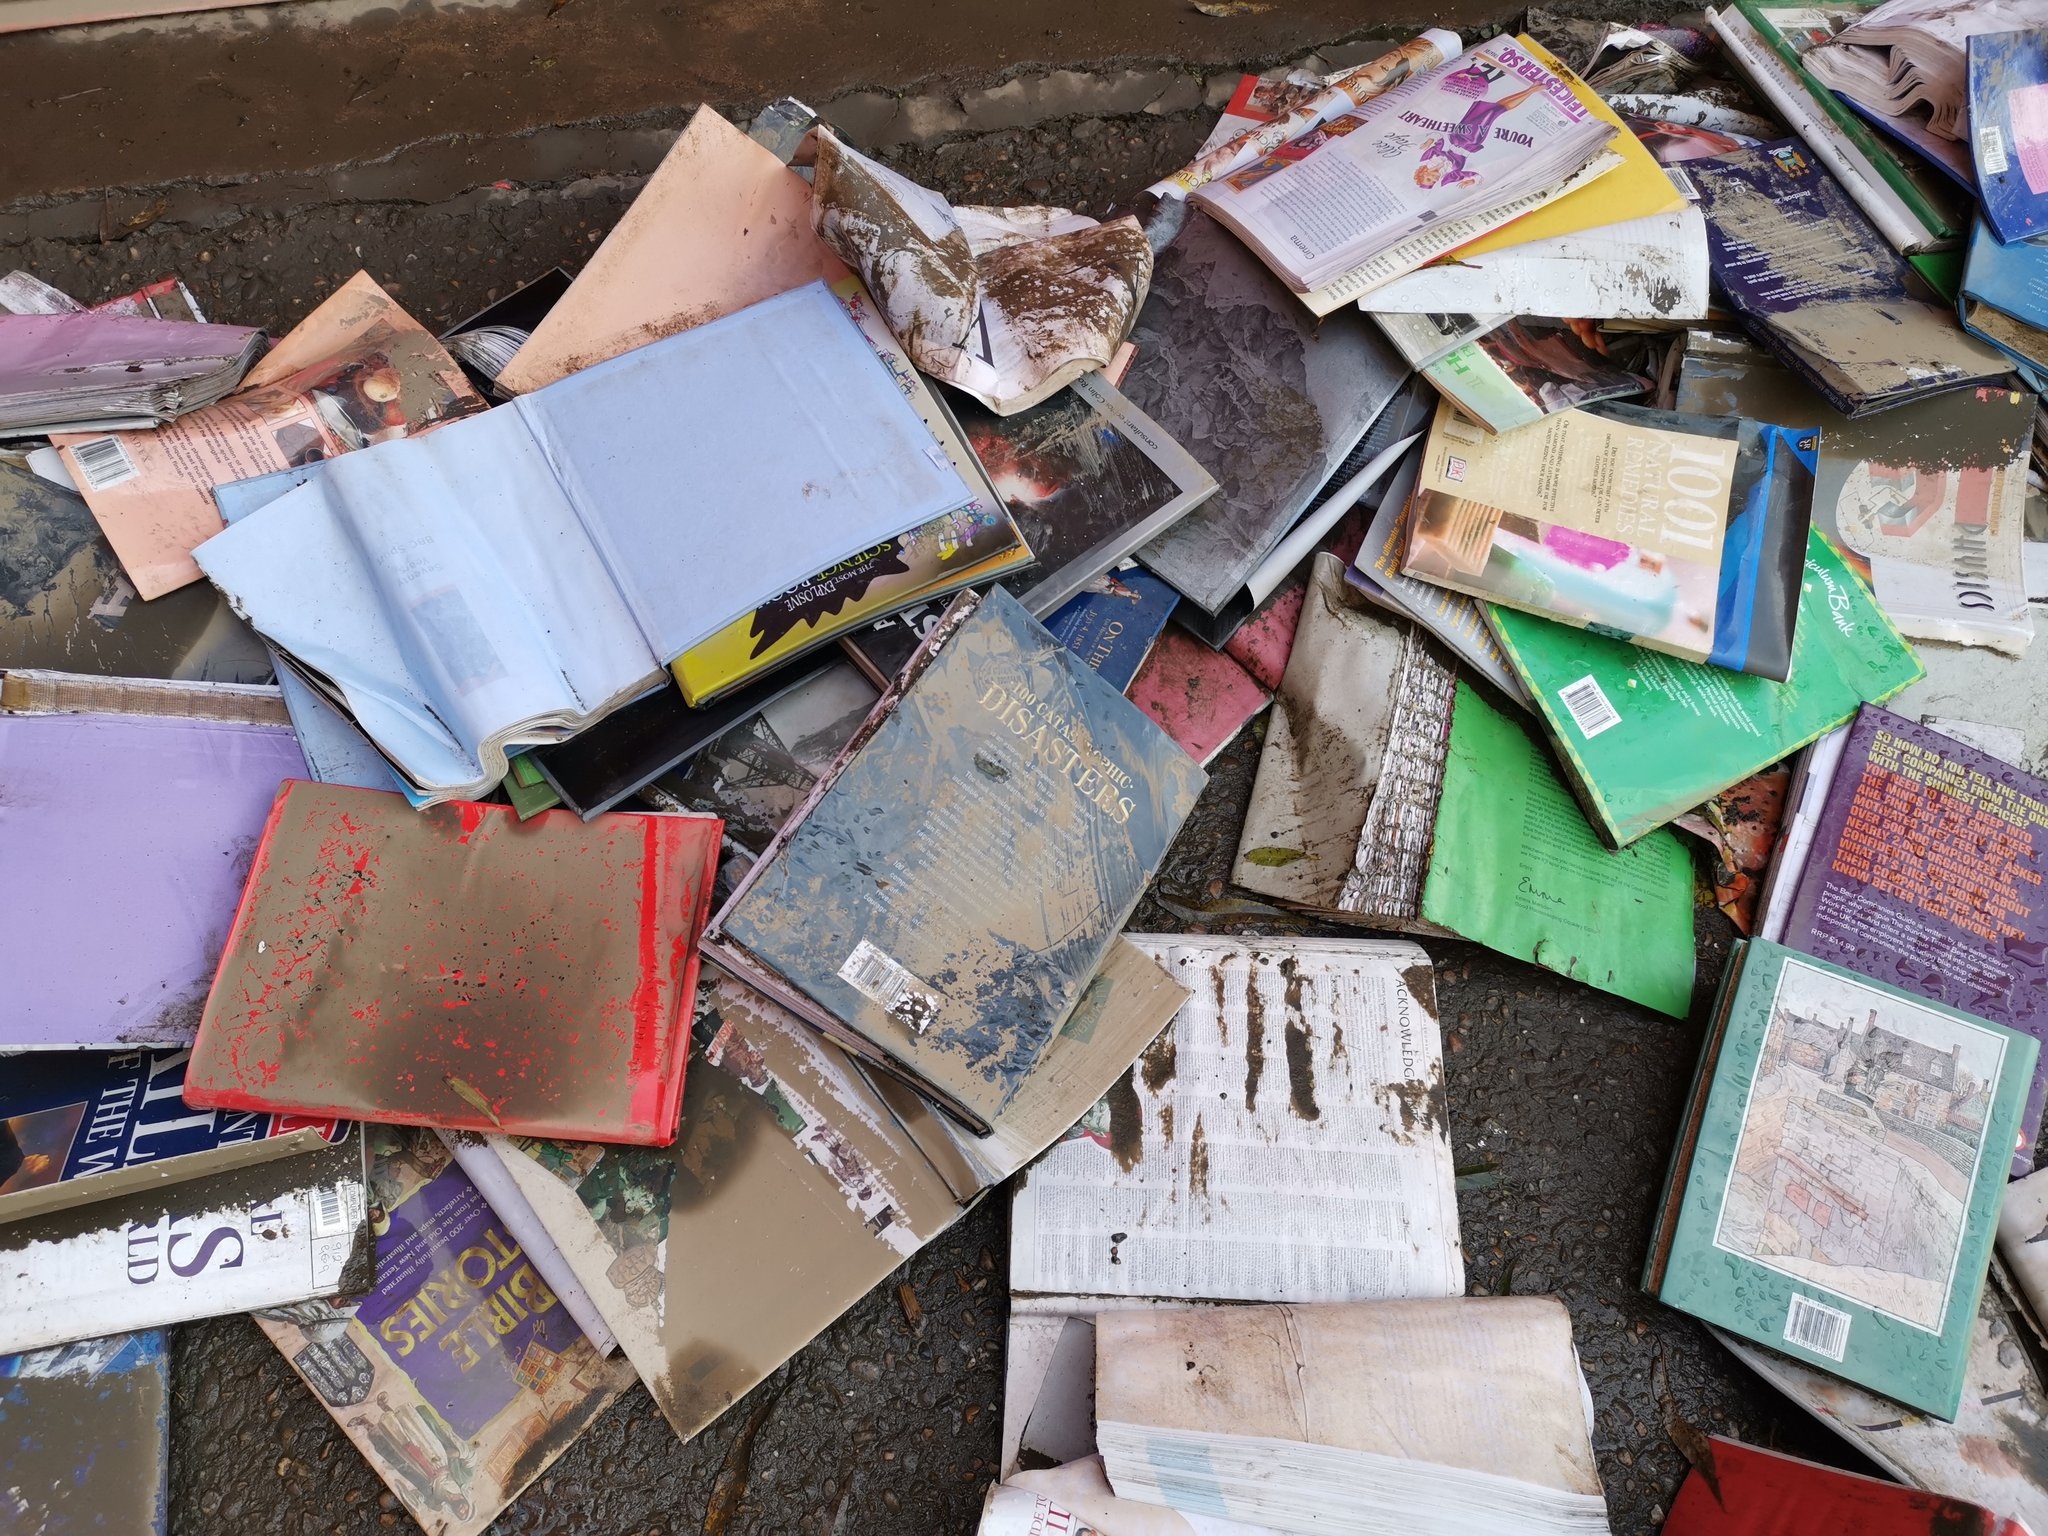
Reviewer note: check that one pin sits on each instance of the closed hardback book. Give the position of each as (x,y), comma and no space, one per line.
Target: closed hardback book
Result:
(2008,124)
(2004,299)
(1645,738)
(366,976)
(1112,626)
(1682,534)
(1815,283)
(940,901)
(459,1375)
(85,1436)
(174,805)
(1835,1189)
(1924,873)
(1744,1490)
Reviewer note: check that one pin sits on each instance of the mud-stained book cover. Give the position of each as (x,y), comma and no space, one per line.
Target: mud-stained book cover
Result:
(776,1119)
(460,1376)
(1837,1183)
(946,895)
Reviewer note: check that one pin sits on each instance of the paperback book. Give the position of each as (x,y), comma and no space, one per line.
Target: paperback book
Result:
(1645,737)
(1681,534)
(1522,371)
(1835,1189)
(1818,286)
(85,1436)
(1744,1490)
(459,1375)
(1113,625)
(2004,300)
(1003,781)
(1926,502)
(1922,872)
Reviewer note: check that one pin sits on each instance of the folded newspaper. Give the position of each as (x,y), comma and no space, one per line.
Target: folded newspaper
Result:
(1010,304)
(1486,128)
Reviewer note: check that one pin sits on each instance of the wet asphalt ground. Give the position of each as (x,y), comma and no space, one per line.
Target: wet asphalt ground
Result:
(1563,1102)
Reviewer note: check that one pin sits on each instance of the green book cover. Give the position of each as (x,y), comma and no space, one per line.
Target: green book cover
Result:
(528,791)
(1645,737)
(1836,1186)
(1515,867)
(1919,187)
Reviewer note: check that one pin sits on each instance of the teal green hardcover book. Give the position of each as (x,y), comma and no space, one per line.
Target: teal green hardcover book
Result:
(1645,737)
(1836,1185)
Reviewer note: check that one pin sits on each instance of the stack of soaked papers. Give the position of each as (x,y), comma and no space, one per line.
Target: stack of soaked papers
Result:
(88,371)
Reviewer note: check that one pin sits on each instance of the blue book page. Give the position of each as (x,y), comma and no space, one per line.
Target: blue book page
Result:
(951,894)
(722,466)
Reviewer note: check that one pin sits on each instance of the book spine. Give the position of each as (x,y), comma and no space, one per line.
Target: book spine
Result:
(1671,1200)
(1852,128)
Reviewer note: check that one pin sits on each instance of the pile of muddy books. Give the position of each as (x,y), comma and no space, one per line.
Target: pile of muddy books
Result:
(565,852)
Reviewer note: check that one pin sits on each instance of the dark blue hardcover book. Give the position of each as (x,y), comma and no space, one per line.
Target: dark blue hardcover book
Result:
(1816,284)
(2008,94)
(1112,626)
(941,900)
(2004,300)
(85,1437)
(65,1114)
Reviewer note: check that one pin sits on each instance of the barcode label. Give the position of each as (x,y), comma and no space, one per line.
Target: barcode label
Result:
(879,979)
(1687,187)
(1991,150)
(330,1212)
(1820,1328)
(104,463)
(1591,712)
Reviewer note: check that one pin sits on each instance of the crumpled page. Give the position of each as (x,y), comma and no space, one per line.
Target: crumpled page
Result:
(1008,304)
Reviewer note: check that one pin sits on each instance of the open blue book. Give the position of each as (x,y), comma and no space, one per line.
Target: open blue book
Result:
(517,575)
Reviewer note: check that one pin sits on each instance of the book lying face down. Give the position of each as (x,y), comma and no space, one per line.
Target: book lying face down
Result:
(943,897)
(459,967)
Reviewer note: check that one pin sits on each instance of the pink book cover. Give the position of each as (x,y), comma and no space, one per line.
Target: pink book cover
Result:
(1265,640)
(1199,697)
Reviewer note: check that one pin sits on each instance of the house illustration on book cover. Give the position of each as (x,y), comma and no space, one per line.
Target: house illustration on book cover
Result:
(1860,1145)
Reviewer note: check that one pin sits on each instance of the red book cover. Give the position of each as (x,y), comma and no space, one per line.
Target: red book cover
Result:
(459,967)
(1744,1491)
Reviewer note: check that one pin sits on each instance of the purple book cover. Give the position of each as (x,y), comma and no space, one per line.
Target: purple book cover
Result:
(1926,873)
(129,838)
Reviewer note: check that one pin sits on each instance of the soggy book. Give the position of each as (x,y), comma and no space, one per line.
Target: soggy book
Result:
(1922,873)
(1391,794)
(1745,1490)
(358,370)
(1835,1188)
(168,1216)
(1522,371)
(509,579)
(363,977)
(1818,286)
(2004,300)
(1645,737)
(1113,624)
(90,369)
(793,1178)
(1236,371)
(85,1435)
(175,805)
(979,541)
(459,1375)
(1927,502)
(2007,81)
(1681,534)
(1002,783)
(1088,477)
(1476,131)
